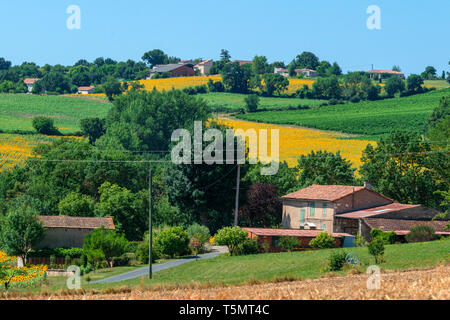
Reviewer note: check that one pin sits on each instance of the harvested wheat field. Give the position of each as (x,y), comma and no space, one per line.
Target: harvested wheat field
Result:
(413,284)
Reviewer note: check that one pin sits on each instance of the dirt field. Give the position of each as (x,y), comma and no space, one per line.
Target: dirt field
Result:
(415,284)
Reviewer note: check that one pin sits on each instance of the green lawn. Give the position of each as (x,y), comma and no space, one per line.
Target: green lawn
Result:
(222,101)
(438,84)
(17,111)
(375,118)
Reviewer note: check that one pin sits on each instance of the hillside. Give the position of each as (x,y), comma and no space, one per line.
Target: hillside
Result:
(375,118)
(18,110)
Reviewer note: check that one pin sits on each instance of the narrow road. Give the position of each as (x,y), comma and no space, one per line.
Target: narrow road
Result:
(162,266)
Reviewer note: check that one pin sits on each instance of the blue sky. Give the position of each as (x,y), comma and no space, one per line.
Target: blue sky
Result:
(413,33)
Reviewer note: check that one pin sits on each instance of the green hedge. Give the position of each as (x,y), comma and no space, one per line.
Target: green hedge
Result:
(57,252)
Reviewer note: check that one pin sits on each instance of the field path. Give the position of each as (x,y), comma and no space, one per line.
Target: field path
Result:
(162,266)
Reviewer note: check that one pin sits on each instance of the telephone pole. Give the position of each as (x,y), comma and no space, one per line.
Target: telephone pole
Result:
(236,210)
(150,267)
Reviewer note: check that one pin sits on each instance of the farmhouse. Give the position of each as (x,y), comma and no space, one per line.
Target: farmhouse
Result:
(30,83)
(204,67)
(86,90)
(271,237)
(242,62)
(174,69)
(69,232)
(380,74)
(306,72)
(348,209)
(283,71)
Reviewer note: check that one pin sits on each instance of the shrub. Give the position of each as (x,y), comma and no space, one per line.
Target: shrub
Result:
(387,237)
(360,241)
(200,233)
(248,246)
(123,260)
(323,241)
(173,241)
(45,125)
(355,99)
(337,260)
(289,243)
(230,237)
(251,102)
(376,249)
(142,250)
(421,233)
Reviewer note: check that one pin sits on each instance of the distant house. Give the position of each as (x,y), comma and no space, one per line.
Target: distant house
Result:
(174,69)
(204,67)
(380,74)
(69,232)
(242,62)
(283,71)
(30,83)
(270,237)
(86,90)
(346,209)
(306,72)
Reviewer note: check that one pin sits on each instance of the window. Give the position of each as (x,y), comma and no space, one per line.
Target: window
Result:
(313,209)
(324,209)
(302,215)
(324,227)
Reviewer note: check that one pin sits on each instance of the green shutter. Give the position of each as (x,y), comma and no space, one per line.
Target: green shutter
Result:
(313,209)
(324,209)
(302,215)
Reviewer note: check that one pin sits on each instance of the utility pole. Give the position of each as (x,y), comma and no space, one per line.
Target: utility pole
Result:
(150,267)
(236,210)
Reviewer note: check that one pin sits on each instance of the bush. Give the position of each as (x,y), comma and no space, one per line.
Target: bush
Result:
(230,237)
(251,102)
(355,99)
(387,237)
(123,260)
(337,260)
(142,250)
(248,246)
(45,125)
(200,233)
(173,241)
(289,243)
(57,252)
(376,249)
(323,241)
(421,233)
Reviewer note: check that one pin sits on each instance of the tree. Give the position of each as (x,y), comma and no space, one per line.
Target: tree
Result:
(376,249)
(335,69)
(322,241)
(307,60)
(323,69)
(104,243)
(414,82)
(199,232)
(155,57)
(92,128)
(225,55)
(429,73)
(251,102)
(327,88)
(274,82)
(172,241)
(129,210)
(20,231)
(4,64)
(236,78)
(326,168)
(285,180)
(44,125)
(396,68)
(260,65)
(263,208)
(421,233)
(231,237)
(394,85)
(370,91)
(76,205)
(403,168)
(112,87)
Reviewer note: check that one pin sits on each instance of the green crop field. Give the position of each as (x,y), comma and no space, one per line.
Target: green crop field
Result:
(18,110)
(373,118)
(232,101)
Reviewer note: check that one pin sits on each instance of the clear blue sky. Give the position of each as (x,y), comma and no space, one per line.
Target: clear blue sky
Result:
(414,33)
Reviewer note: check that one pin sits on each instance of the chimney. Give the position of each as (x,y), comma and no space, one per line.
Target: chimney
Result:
(367,185)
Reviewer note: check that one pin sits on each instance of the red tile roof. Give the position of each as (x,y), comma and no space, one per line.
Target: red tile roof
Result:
(323,192)
(86,88)
(77,222)
(402,225)
(393,207)
(242,62)
(290,232)
(203,62)
(385,71)
(30,80)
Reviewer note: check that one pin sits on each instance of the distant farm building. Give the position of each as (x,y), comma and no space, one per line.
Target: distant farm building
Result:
(69,232)
(381,74)
(243,62)
(30,83)
(204,67)
(86,90)
(182,69)
(283,71)
(306,72)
